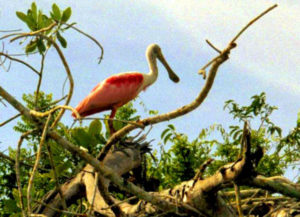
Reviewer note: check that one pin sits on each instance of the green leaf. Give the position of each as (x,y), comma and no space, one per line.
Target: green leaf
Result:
(41,46)
(82,137)
(66,15)
(167,138)
(62,40)
(31,47)
(34,11)
(164,132)
(31,23)
(56,15)
(171,126)
(40,20)
(21,16)
(95,127)
(10,206)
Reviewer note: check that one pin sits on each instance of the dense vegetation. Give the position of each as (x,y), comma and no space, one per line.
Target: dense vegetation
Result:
(167,166)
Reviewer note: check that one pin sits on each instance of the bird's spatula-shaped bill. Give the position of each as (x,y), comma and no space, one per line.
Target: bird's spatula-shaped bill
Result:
(171,73)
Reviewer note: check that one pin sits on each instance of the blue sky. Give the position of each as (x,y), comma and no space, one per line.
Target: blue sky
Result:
(266,59)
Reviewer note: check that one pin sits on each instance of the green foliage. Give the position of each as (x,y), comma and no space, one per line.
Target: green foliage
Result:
(43,104)
(90,137)
(36,20)
(180,162)
(172,165)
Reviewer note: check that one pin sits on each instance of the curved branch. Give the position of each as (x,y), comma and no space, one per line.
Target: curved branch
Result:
(20,61)
(17,165)
(68,71)
(90,37)
(63,59)
(9,120)
(217,61)
(38,156)
(43,114)
(99,167)
(173,114)
(251,22)
(276,184)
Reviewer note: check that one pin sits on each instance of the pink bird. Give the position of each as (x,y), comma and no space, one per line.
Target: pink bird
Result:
(116,90)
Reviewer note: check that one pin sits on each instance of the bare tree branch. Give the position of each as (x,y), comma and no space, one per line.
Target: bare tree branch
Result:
(90,37)
(20,61)
(18,172)
(38,156)
(9,120)
(40,80)
(56,177)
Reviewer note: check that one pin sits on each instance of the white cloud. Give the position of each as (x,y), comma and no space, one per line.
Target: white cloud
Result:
(269,49)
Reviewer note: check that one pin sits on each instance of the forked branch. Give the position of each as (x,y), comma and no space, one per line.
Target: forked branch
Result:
(216,62)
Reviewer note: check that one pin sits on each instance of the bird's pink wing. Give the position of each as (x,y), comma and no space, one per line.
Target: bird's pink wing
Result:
(113,92)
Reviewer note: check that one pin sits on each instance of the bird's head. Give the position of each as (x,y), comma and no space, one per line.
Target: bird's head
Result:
(155,51)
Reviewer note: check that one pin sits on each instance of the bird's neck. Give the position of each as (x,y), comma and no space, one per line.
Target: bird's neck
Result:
(152,75)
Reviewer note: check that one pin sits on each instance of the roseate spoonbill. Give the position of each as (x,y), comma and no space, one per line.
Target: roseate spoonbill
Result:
(117,90)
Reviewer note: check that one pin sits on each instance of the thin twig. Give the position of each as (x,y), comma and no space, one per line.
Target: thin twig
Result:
(63,87)
(106,196)
(251,22)
(63,60)
(119,203)
(94,192)
(1,100)
(90,37)
(34,33)
(252,196)
(238,199)
(232,42)
(212,46)
(39,81)
(57,101)
(38,156)
(68,71)
(253,208)
(187,206)
(43,114)
(19,61)
(18,171)
(113,119)
(56,177)
(13,30)
(61,211)
(23,54)
(9,120)
(13,161)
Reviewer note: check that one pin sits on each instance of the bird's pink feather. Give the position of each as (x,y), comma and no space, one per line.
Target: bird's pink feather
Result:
(113,92)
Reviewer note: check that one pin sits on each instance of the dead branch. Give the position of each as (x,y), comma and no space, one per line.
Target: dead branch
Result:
(276,184)
(90,37)
(24,135)
(245,193)
(238,199)
(58,188)
(20,61)
(40,80)
(9,120)
(38,156)
(203,188)
(62,57)
(216,62)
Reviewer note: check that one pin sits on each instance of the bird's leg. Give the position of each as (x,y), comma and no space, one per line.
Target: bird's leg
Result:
(110,121)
